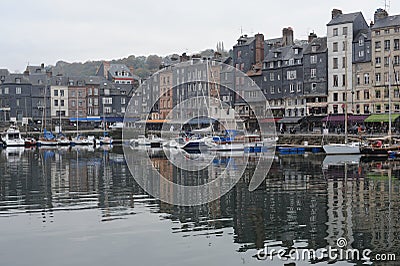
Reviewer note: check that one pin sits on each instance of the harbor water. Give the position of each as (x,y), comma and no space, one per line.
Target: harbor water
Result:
(81,206)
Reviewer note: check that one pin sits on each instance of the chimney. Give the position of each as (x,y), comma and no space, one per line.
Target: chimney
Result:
(259,48)
(311,37)
(380,14)
(287,34)
(336,13)
(371,24)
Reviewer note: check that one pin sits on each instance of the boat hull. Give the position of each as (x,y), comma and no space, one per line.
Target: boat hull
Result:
(338,149)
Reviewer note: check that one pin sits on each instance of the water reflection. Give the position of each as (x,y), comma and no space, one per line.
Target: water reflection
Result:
(307,201)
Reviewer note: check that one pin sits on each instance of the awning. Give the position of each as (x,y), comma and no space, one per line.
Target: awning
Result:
(270,120)
(378,118)
(112,119)
(152,121)
(340,118)
(315,118)
(290,120)
(85,119)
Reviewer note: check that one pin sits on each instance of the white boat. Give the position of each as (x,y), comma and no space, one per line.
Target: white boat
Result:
(337,148)
(105,140)
(62,140)
(82,140)
(340,160)
(12,137)
(30,142)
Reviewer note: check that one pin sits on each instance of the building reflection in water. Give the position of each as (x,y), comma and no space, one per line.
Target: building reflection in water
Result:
(302,202)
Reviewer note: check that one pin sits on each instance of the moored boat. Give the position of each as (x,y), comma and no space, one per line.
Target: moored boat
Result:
(12,137)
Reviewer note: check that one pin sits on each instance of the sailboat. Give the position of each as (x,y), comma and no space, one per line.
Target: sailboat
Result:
(346,147)
(47,139)
(384,146)
(79,139)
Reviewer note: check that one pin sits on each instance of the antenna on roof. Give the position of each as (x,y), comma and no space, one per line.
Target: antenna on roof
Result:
(387,5)
(241,30)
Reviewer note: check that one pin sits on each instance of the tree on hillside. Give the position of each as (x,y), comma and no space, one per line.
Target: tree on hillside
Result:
(153,62)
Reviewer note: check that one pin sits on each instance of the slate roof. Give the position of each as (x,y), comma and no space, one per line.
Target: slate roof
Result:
(118,67)
(390,21)
(344,18)
(366,33)
(321,43)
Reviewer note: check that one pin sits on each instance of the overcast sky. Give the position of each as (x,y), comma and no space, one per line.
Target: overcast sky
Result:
(76,31)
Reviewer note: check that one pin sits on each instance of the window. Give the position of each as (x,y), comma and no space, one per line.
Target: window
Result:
(313,59)
(378,108)
(344,96)
(123,100)
(96,91)
(335,97)
(396,44)
(17,103)
(397,107)
(344,80)
(335,47)
(386,60)
(291,62)
(272,76)
(387,45)
(357,95)
(55,93)
(366,78)
(73,103)
(377,32)
(378,77)
(335,32)
(377,46)
(344,30)
(386,93)
(361,42)
(1,91)
(386,76)
(335,63)
(313,87)
(107,110)
(387,31)
(272,89)
(358,79)
(344,45)
(18,90)
(335,109)
(396,30)
(314,48)
(291,75)
(291,87)
(361,53)
(106,92)
(396,93)
(299,86)
(344,62)
(107,100)
(378,61)
(396,60)
(62,93)
(6,91)
(55,102)
(239,54)
(313,72)
(378,94)
(62,103)
(366,94)
(335,81)
(72,93)
(296,51)
(271,65)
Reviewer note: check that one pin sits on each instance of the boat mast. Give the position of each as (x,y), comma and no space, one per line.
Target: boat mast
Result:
(345,92)
(77,113)
(390,102)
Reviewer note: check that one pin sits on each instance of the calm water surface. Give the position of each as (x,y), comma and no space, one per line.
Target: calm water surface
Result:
(83,207)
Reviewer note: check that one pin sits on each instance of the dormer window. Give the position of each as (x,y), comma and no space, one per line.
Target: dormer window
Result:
(291,62)
(361,42)
(276,54)
(17,80)
(296,51)
(314,48)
